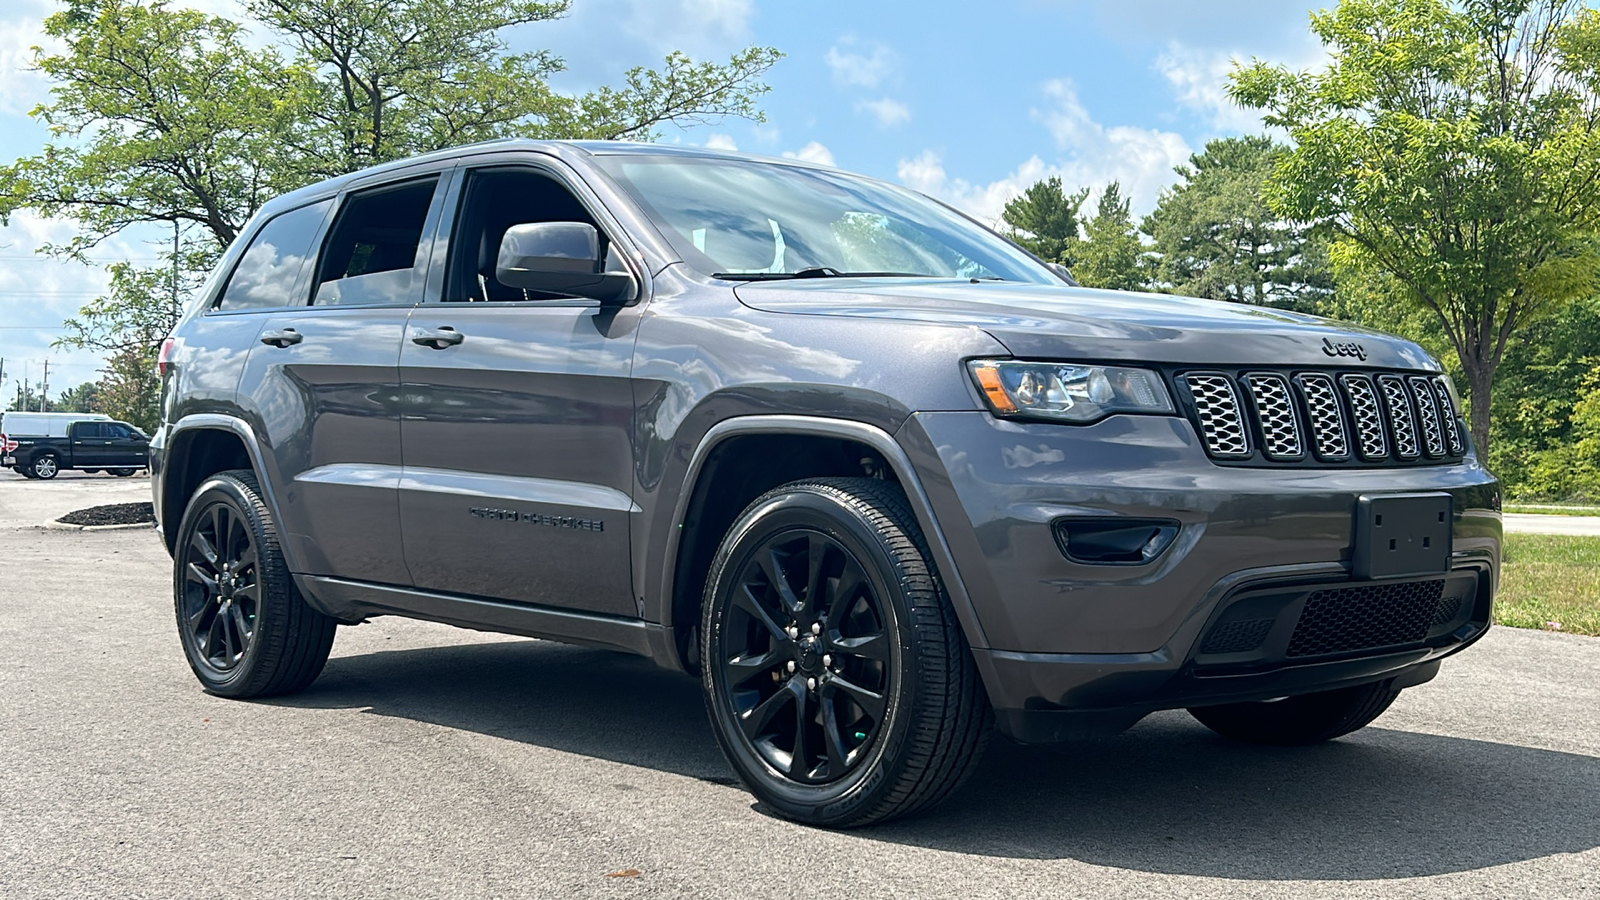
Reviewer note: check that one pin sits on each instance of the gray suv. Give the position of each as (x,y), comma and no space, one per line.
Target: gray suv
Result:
(882,480)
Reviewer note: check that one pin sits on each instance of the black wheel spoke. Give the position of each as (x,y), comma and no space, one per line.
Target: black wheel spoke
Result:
(745,599)
(743,668)
(240,626)
(206,549)
(842,594)
(772,567)
(870,702)
(756,720)
(800,759)
(873,646)
(816,556)
(200,577)
(838,756)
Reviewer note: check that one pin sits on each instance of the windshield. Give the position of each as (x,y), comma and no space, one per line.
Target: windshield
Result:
(749,220)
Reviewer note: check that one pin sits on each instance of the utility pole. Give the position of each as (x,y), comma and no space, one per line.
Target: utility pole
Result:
(44,389)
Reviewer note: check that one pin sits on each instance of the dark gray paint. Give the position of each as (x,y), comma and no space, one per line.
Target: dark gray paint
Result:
(567,409)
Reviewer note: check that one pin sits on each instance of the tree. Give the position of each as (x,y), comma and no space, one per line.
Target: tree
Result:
(1456,150)
(167,116)
(1571,470)
(131,388)
(1110,255)
(85,398)
(26,400)
(1044,219)
(1216,237)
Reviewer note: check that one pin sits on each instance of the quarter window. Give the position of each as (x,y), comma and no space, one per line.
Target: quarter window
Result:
(267,273)
(372,255)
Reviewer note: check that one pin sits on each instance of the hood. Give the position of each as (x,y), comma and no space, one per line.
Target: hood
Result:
(1049,322)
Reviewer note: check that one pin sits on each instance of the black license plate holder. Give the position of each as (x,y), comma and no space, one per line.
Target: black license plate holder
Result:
(1401,534)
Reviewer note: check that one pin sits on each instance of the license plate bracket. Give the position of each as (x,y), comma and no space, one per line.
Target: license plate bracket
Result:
(1401,534)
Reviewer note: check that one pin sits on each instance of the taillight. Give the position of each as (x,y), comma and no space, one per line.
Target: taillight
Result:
(164,360)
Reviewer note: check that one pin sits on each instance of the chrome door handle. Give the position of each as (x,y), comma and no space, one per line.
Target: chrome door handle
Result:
(282,338)
(438,338)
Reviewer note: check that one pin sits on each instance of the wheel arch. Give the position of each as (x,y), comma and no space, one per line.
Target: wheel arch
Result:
(735,462)
(197,447)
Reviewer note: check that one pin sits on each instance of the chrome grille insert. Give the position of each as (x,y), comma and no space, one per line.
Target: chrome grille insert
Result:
(1221,423)
(1280,426)
(1447,410)
(1400,418)
(1328,431)
(1428,415)
(1368,418)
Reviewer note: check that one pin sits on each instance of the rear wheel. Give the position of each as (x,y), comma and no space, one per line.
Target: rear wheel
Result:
(44,466)
(245,629)
(1306,719)
(123,472)
(838,681)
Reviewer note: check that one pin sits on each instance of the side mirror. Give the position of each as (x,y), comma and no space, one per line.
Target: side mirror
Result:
(1064,273)
(561,258)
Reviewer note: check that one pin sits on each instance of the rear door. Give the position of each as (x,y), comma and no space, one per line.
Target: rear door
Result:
(322,381)
(518,435)
(89,444)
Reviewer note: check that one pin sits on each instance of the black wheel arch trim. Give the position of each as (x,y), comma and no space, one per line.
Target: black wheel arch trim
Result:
(943,559)
(252,448)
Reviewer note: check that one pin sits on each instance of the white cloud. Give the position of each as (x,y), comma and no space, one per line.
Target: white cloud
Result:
(698,27)
(21,88)
(812,153)
(925,172)
(888,112)
(865,67)
(1199,78)
(720,142)
(1141,158)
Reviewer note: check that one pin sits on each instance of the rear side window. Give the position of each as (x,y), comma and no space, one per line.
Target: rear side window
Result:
(266,275)
(372,254)
(90,430)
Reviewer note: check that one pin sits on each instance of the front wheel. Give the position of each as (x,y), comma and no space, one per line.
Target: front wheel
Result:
(1296,721)
(244,627)
(838,681)
(123,472)
(44,466)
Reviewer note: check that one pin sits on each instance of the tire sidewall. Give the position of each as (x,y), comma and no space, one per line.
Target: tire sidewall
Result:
(815,510)
(227,490)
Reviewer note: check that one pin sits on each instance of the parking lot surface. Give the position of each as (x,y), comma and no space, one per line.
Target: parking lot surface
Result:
(435,762)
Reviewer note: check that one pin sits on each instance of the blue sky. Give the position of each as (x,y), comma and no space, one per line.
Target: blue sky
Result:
(968,102)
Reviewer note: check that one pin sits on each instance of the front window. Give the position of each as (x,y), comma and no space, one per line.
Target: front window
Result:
(750,220)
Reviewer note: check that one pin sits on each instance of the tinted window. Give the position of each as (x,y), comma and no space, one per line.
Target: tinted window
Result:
(373,251)
(88,431)
(266,274)
(493,201)
(119,431)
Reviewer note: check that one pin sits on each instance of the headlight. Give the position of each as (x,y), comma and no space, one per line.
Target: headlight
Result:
(1068,393)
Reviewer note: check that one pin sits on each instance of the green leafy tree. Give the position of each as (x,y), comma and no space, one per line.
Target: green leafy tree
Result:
(25,400)
(1045,219)
(130,389)
(1570,470)
(1456,149)
(1110,255)
(85,398)
(1216,237)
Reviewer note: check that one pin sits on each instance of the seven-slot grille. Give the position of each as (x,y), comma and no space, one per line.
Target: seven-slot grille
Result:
(1326,417)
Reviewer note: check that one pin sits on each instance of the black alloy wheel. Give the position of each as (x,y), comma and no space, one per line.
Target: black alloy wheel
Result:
(806,657)
(245,629)
(837,679)
(221,596)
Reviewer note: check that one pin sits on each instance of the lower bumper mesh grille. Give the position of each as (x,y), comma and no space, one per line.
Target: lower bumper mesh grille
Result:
(1341,620)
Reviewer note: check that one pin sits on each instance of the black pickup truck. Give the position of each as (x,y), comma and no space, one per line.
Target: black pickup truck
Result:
(90,446)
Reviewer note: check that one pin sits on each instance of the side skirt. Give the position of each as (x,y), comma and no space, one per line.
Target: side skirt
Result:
(352,601)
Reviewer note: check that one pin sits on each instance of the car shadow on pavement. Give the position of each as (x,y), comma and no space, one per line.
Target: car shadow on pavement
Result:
(1166,797)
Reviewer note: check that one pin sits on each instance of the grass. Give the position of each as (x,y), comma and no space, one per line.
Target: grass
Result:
(1550,582)
(1542,509)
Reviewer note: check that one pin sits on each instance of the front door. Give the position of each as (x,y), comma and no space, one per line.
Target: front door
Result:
(323,383)
(517,430)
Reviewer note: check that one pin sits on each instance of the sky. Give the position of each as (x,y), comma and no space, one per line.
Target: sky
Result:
(970,103)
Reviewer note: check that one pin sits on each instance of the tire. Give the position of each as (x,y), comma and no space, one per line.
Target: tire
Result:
(90,471)
(854,563)
(24,471)
(123,471)
(1297,721)
(244,627)
(45,466)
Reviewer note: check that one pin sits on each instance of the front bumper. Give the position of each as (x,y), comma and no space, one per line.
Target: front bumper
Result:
(1085,648)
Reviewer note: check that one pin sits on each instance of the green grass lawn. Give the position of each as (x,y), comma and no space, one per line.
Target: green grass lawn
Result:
(1550,578)
(1552,510)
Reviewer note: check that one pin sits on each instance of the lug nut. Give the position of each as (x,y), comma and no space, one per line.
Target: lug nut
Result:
(816,627)
(827,660)
(811,684)
(792,631)
(791,665)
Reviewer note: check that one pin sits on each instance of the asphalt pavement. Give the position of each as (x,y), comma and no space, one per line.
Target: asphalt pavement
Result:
(1536,524)
(435,762)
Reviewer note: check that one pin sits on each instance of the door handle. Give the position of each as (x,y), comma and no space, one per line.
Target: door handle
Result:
(438,338)
(282,338)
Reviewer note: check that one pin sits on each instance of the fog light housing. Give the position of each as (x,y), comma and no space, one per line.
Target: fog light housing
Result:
(1114,541)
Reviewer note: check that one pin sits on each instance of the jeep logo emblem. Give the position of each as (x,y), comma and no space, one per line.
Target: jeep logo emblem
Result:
(1350,349)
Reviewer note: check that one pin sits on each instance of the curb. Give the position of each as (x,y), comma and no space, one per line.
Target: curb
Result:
(63,526)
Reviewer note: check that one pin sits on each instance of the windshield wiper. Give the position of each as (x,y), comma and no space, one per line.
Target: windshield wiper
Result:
(813,272)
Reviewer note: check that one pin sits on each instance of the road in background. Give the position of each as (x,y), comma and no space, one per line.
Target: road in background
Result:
(436,762)
(1534,524)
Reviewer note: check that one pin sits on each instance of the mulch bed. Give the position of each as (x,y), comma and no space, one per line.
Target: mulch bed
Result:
(112,514)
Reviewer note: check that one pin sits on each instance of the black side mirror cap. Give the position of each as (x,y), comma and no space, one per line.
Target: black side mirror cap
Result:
(561,258)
